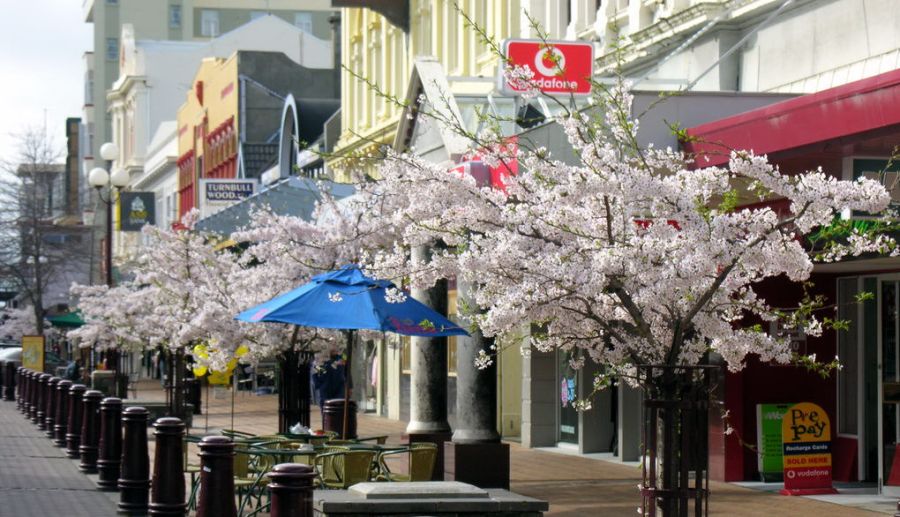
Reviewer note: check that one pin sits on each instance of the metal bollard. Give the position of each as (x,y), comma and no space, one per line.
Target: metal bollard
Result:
(134,479)
(9,378)
(41,400)
(216,498)
(167,488)
(32,394)
(291,490)
(110,453)
(61,419)
(73,422)
(20,388)
(50,406)
(90,431)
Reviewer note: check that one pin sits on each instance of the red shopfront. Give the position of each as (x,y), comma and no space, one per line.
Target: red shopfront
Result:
(849,131)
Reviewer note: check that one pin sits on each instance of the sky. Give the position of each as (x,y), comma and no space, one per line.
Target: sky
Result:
(41,48)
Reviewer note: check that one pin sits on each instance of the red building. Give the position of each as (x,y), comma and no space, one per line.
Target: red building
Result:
(849,131)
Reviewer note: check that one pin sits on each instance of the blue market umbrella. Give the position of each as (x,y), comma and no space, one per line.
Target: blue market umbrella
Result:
(346,299)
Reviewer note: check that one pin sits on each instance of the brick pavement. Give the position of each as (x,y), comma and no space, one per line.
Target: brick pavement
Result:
(36,478)
(574,485)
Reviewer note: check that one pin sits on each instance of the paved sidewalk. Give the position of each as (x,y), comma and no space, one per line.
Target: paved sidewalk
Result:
(574,485)
(37,479)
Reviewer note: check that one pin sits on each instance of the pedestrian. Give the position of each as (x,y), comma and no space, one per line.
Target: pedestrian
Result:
(328,378)
(73,370)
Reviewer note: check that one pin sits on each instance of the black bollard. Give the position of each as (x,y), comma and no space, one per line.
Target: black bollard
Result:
(41,400)
(61,419)
(50,407)
(73,422)
(20,387)
(110,453)
(90,431)
(33,395)
(24,378)
(167,488)
(291,490)
(216,497)
(9,379)
(134,479)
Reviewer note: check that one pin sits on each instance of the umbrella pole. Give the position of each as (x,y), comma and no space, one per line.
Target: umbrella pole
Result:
(347,380)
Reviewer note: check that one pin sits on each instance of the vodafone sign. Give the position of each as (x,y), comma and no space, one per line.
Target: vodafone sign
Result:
(558,66)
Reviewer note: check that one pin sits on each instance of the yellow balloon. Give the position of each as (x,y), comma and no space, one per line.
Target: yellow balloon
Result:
(199,370)
(241,351)
(219,377)
(200,351)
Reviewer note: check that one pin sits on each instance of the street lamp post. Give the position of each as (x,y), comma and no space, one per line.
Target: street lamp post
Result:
(101,179)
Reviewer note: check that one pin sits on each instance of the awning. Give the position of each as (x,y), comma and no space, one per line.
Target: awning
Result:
(290,196)
(67,320)
(852,112)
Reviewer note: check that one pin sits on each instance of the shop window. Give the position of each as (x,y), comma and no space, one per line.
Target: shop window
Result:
(884,171)
(848,351)
(405,354)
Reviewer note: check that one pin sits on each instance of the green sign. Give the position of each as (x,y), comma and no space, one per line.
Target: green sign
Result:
(768,439)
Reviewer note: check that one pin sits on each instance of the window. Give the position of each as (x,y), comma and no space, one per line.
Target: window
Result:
(303,21)
(174,16)
(209,23)
(89,88)
(848,351)
(112,49)
(257,14)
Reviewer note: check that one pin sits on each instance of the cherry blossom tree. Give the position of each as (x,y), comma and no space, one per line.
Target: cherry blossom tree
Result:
(625,256)
(15,323)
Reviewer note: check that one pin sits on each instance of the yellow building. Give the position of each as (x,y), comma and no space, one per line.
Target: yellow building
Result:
(207,123)
(382,52)
(229,126)
(381,46)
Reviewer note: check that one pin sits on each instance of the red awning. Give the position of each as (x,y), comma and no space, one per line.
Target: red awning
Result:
(853,109)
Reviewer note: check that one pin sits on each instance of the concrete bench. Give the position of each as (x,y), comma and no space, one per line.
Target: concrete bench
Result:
(450,498)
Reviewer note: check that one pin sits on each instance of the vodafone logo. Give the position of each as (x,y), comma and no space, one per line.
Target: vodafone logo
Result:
(791,474)
(560,67)
(550,61)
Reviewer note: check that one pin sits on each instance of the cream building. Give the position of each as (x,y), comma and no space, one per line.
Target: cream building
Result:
(172,20)
(153,79)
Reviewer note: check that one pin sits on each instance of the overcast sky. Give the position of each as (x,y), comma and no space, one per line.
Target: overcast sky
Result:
(41,48)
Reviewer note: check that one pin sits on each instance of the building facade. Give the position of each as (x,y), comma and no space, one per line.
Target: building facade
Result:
(151,88)
(230,124)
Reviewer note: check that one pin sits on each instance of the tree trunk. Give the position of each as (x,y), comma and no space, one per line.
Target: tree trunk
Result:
(675,466)
(293,389)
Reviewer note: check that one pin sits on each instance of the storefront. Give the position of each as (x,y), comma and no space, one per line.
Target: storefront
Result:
(850,131)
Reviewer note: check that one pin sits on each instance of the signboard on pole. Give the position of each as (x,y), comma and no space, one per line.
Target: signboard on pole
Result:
(33,353)
(806,433)
(768,440)
(218,194)
(136,209)
(559,67)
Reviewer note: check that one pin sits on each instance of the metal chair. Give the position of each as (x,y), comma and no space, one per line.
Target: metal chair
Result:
(422,458)
(343,468)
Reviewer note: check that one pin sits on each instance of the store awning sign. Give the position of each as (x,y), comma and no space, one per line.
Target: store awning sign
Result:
(136,209)
(806,438)
(560,67)
(217,194)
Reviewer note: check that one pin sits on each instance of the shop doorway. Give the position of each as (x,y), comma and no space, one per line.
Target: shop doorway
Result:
(567,384)
(889,386)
